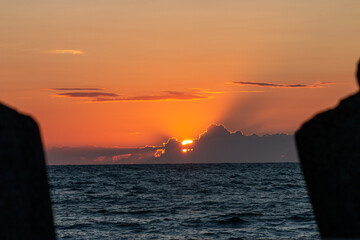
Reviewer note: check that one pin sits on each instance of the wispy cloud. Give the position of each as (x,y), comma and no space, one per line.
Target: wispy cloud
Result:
(87,94)
(65,51)
(163,96)
(98,155)
(279,85)
(99,96)
(324,83)
(77,89)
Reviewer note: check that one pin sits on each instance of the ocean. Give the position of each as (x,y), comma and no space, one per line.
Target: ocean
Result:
(181,201)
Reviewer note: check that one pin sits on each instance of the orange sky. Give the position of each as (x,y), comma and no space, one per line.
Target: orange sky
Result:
(168,68)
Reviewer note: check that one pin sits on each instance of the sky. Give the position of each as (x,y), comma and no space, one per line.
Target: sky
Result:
(130,74)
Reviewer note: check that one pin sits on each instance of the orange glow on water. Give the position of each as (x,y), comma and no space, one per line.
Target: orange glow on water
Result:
(185,142)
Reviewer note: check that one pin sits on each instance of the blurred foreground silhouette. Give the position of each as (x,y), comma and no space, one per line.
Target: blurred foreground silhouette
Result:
(329,150)
(25,208)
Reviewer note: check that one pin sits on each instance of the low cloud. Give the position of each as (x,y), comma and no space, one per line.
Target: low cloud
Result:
(98,96)
(218,145)
(65,51)
(215,145)
(98,155)
(278,85)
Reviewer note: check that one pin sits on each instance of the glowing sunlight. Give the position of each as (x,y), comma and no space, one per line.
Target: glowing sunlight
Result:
(188,141)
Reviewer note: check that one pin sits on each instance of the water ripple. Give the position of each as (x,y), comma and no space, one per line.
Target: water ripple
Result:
(189,201)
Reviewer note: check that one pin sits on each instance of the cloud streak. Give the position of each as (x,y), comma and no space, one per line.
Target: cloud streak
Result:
(164,96)
(100,96)
(77,89)
(99,155)
(65,51)
(87,94)
(278,85)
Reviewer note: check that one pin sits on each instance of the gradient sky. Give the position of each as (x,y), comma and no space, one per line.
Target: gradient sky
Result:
(134,73)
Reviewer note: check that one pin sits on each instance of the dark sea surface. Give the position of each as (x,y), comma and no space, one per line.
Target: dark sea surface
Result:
(185,201)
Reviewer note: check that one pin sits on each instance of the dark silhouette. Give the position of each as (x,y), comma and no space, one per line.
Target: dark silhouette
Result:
(25,208)
(329,150)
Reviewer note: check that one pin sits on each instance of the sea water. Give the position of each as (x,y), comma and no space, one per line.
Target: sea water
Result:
(183,201)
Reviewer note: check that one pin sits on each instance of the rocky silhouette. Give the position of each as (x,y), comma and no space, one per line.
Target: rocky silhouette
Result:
(25,208)
(329,150)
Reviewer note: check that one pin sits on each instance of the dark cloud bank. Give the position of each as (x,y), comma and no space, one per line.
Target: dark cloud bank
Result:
(98,155)
(215,145)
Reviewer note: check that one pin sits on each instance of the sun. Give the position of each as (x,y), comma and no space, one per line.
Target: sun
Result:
(188,141)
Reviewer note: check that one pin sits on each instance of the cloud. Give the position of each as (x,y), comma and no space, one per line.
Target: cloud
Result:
(87,94)
(65,51)
(215,145)
(219,145)
(92,96)
(324,83)
(278,85)
(77,89)
(98,155)
(164,96)
(120,157)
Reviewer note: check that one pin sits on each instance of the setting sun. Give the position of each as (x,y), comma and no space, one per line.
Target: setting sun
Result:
(188,141)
